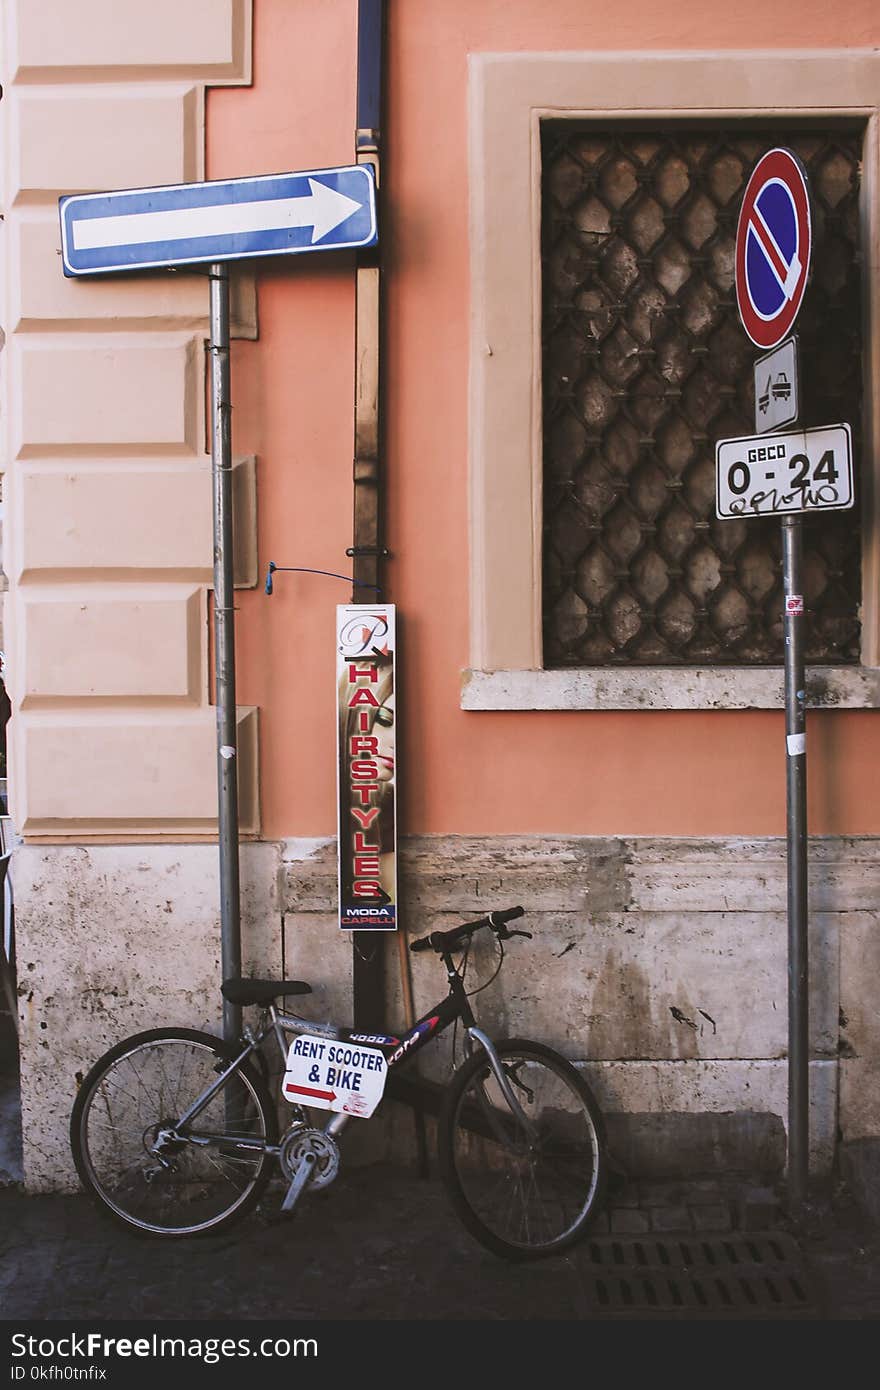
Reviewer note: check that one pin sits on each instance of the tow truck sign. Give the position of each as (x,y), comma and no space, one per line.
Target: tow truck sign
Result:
(777,387)
(328,1075)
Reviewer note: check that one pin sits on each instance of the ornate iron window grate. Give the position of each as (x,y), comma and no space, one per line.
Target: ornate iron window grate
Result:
(646,366)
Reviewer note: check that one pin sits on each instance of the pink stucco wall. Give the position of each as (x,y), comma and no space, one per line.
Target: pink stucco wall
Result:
(584,772)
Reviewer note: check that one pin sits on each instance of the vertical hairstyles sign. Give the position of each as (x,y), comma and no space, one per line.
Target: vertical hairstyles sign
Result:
(365,644)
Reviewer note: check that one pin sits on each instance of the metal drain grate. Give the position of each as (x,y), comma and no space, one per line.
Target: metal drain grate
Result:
(755,1275)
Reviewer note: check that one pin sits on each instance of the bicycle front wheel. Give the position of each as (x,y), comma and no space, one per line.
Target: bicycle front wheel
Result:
(145,1168)
(525,1184)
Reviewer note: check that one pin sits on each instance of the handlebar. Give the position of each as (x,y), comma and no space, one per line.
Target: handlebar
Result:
(442,941)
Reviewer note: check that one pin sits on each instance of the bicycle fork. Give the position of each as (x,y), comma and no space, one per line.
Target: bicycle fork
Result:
(503,1080)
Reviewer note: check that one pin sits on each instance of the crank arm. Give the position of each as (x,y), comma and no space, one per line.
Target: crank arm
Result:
(303,1173)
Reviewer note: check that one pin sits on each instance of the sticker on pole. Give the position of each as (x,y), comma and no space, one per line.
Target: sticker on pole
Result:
(804,471)
(327,1075)
(773,246)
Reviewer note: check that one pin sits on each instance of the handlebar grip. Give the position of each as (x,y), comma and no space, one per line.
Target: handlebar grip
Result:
(510,914)
(451,940)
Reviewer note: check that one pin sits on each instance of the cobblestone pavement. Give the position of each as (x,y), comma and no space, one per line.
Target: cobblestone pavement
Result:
(382,1243)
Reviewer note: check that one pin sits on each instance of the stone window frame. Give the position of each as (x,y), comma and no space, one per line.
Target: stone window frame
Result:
(509,95)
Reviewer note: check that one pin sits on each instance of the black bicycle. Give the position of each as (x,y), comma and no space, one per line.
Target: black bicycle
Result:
(174,1131)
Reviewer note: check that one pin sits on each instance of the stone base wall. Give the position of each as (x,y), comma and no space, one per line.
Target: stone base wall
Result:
(658,966)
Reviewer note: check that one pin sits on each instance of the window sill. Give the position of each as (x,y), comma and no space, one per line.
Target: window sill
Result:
(665,687)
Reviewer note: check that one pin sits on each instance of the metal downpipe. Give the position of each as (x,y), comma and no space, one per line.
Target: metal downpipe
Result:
(224,643)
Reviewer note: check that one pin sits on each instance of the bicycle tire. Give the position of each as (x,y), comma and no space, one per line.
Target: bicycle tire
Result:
(523,1198)
(146,1082)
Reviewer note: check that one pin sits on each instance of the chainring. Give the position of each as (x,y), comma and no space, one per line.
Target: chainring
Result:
(300,1140)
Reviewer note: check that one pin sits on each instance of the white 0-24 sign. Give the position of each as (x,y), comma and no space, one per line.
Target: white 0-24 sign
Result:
(798,471)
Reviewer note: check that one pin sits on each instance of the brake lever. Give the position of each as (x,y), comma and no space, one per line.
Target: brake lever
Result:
(506,934)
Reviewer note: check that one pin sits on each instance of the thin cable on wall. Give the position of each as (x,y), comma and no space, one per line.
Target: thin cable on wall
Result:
(305,569)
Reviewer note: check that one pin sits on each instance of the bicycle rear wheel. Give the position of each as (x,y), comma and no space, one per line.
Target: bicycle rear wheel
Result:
(524,1191)
(199,1180)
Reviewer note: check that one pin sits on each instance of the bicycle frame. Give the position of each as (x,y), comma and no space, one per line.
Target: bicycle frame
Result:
(455,1006)
(174,1132)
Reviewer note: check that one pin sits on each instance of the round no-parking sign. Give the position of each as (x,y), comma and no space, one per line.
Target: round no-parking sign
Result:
(773,244)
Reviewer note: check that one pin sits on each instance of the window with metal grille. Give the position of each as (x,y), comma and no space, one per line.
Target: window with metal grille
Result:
(646,366)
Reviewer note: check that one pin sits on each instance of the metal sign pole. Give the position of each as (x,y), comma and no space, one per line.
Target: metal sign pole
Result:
(224,641)
(788,473)
(294,213)
(796,833)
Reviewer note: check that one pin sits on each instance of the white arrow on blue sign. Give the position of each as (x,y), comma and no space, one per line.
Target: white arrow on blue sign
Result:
(223,220)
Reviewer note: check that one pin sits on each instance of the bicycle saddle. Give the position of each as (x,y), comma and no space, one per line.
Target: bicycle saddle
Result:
(261,991)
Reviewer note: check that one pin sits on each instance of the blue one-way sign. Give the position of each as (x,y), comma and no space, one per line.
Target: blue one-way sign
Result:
(224,220)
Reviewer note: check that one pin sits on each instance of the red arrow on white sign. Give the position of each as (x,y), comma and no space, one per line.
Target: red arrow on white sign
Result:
(310,1091)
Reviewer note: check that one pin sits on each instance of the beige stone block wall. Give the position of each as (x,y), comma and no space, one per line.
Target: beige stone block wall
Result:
(625,931)
(103,144)
(659,966)
(120,393)
(109,552)
(78,646)
(107,485)
(96,516)
(97,38)
(124,523)
(860,1027)
(123,938)
(132,769)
